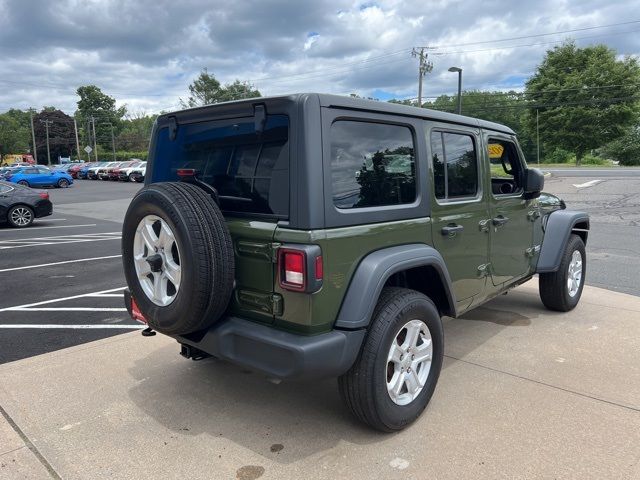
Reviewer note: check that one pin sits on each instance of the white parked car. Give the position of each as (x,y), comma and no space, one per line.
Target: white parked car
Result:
(127,173)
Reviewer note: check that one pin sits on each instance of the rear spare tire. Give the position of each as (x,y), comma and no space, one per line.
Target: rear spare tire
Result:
(178,257)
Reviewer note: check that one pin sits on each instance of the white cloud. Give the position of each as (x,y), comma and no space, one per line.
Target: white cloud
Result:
(146,52)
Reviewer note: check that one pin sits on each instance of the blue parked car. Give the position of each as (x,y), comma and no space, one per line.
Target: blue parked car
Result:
(39,176)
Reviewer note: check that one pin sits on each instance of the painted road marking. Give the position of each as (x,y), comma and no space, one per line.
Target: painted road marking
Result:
(57,226)
(59,240)
(79,327)
(59,263)
(55,300)
(68,309)
(588,184)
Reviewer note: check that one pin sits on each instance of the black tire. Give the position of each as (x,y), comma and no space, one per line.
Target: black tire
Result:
(206,256)
(364,386)
(25,215)
(129,178)
(24,183)
(553,286)
(63,183)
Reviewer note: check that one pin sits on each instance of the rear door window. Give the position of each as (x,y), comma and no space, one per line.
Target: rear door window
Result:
(249,169)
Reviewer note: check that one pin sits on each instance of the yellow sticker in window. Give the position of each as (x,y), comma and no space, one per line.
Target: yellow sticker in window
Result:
(495,150)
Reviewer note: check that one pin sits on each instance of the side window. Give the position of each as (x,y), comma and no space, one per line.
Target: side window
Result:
(372,164)
(30,171)
(506,168)
(455,165)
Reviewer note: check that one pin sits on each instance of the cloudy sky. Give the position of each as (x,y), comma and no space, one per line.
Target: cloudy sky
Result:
(146,52)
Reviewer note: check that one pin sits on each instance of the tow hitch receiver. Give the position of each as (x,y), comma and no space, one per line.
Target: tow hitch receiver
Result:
(187,351)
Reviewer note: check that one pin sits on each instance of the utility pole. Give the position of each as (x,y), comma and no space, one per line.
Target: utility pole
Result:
(33,138)
(95,144)
(113,141)
(46,128)
(75,127)
(424,67)
(537,137)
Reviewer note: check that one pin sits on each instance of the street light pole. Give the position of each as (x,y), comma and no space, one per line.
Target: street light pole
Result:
(459,70)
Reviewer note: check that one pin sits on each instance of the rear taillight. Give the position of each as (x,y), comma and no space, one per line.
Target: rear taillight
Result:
(44,195)
(300,268)
(293,269)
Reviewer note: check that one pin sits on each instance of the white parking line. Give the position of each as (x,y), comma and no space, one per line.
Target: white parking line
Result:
(69,309)
(60,226)
(79,327)
(104,295)
(22,307)
(59,263)
(59,240)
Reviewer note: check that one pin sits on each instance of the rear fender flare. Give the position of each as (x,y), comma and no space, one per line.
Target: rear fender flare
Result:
(374,271)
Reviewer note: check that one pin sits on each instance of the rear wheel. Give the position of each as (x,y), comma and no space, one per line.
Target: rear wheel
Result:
(178,257)
(20,216)
(395,375)
(561,290)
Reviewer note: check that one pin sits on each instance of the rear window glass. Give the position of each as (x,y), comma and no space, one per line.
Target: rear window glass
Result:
(250,170)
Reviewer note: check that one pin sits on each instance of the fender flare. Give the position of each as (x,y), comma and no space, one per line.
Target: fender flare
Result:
(373,272)
(557,229)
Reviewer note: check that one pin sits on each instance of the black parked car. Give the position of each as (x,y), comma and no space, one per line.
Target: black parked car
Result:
(20,205)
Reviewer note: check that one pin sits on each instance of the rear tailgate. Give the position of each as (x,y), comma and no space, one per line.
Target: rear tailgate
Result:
(253,295)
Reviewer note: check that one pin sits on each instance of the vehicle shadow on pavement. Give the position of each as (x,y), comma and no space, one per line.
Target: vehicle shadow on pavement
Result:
(284,422)
(479,326)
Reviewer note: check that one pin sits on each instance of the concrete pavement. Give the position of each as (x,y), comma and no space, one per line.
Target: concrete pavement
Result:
(524,393)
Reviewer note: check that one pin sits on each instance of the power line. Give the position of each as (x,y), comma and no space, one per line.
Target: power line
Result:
(536,35)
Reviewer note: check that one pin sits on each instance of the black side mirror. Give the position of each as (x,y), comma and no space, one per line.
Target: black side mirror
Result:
(533,183)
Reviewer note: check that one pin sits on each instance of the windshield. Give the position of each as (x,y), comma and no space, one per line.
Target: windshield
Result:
(249,169)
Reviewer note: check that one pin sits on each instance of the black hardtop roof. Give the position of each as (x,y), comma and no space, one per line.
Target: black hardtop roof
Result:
(339,101)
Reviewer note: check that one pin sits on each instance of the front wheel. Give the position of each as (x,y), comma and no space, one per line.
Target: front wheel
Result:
(24,183)
(561,290)
(63,183)
(396,372)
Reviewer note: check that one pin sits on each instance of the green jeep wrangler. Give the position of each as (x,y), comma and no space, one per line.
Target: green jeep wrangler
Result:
(315,235)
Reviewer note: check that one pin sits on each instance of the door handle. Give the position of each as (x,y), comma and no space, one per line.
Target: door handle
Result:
(499,221)
(451,230)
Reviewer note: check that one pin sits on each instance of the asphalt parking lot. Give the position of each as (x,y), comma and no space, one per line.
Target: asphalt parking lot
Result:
(62,277)
(524,392)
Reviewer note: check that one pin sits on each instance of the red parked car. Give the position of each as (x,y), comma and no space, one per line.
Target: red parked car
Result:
(114,173)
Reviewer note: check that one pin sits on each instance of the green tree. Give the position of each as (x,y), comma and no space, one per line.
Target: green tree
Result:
(96,105)
(206,90)
(62,137)
(135,132)
(585,97)
(15,132)
(625,149)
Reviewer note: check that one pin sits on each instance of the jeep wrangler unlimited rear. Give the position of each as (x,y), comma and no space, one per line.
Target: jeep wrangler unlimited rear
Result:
(313,235)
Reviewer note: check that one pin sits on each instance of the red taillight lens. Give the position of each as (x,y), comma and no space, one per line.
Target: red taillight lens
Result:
(44,195)
(293,272)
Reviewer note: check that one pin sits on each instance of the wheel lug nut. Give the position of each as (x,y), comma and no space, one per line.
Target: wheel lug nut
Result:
(413,357)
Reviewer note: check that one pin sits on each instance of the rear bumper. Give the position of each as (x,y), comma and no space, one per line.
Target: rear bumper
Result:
(43,208)
(274,352)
